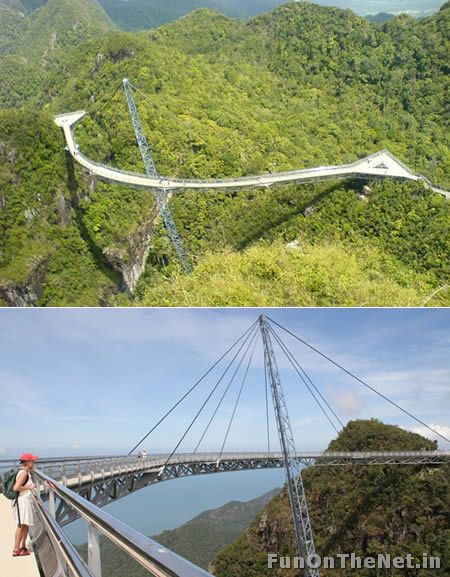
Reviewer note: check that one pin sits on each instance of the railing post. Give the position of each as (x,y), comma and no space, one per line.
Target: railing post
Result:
(37,483)
(51,502)
(94,553)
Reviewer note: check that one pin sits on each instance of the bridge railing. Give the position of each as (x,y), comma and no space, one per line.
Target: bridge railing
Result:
(157,560)
(55,554)
(62,469)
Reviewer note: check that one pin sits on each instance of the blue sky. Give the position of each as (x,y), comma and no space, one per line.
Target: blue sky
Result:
(79,381)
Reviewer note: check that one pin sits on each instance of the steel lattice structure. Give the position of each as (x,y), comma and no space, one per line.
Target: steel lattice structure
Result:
(297,497)
(161,194)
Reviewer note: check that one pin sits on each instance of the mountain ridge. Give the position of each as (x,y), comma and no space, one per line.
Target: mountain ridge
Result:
(57,24)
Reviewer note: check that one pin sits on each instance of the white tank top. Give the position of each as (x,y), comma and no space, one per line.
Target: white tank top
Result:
(28,484)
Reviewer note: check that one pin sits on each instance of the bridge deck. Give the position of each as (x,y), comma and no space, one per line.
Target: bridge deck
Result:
(379,165)
(12,566)
(84,472)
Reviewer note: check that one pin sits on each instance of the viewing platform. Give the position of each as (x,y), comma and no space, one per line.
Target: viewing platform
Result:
(12,566)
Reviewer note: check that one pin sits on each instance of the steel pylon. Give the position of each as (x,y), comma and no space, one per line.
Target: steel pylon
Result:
(161,195)
(297,498)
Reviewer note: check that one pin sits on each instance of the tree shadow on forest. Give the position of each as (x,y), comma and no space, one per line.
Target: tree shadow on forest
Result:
(311,202)
(97,254)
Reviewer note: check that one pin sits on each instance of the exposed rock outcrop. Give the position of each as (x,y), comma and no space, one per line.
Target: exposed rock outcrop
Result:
(130,262)
(27,292)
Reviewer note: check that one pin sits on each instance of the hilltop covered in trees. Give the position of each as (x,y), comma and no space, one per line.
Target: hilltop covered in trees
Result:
(367,510)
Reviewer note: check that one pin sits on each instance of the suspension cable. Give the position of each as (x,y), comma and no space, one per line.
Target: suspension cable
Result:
(146,96)
(194,386)
(240,392)
(225,392)
(293,362)
(307,377)
(360,380)
(207,399)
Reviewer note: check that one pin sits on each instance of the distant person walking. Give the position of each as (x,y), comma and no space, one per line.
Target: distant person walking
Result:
(23,504)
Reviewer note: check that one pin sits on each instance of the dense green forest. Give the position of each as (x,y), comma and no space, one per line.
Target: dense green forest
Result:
(302,86)
(368,510)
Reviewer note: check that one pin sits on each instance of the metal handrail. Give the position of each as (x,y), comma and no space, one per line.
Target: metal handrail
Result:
(227,455)
(46,460)
(156,559)
(60,541)
(69,465)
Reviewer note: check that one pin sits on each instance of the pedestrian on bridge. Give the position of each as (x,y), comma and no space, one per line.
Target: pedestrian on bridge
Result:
(23,504)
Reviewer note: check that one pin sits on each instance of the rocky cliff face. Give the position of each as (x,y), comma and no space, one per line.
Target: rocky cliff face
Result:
(27,292)
(56,246)
(130,263)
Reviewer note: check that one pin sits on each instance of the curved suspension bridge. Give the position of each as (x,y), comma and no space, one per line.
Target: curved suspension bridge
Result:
(102,480)
(68,488)
(382,164)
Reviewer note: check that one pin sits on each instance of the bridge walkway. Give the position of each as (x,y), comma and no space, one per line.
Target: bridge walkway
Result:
(382,164)
(12,566)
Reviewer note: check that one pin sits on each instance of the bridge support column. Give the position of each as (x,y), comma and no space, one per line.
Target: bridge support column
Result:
(294,481)
(161,195)
(94,553)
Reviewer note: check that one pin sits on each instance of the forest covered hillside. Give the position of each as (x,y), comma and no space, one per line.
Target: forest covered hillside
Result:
(143,14)
(36,31)
(368,510)
(302,86)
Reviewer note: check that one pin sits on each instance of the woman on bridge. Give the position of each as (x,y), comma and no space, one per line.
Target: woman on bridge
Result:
(23,504)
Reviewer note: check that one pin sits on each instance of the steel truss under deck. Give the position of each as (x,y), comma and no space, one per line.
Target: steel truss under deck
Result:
(103,481)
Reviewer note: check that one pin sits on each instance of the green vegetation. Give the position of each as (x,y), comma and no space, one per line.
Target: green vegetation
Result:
(36,218)
(143,14)
(311,275)
(12,26)
(380,18)
(32,44)
(365,510)
(303,86)
(56,24)
(59,24)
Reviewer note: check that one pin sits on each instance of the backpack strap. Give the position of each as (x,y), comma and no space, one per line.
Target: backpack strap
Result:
(17,492)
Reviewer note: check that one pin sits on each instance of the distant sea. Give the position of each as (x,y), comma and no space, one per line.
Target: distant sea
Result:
(172,503)
(413,7)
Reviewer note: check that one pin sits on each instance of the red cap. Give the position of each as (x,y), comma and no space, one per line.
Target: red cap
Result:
(28,457)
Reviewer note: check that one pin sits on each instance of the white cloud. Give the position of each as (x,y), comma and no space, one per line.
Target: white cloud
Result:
(415,382)
(3,450)
(441,429)
(348,403)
